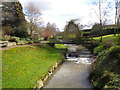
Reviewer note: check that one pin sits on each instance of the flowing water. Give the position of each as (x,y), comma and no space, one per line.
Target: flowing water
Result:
(74,72)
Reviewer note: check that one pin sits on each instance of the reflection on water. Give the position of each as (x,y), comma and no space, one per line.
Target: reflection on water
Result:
(73,73)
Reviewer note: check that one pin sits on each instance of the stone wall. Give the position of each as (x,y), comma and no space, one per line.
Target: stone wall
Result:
(7,44)
(41,82)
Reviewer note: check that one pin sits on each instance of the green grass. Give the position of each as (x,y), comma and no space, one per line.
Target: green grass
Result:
(108,41)
(60,46)
(23,66)
(106,36)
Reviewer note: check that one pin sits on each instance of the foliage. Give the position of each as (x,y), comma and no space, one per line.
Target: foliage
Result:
(12,14)
(72,31)
(14,39)
(6,37)
(21,32)
(36,41)
(96,27)
(35,36)
(14,22)
(110,39)
(49,31)
(33,15)
(23,66)
(98,49)
(105,71)
(7,30)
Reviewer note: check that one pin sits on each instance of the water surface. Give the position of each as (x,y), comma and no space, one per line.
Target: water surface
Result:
(73,73)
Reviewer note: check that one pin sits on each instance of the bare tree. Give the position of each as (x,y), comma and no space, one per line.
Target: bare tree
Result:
(103,12)
(49,31)
(117,15)
(33,15)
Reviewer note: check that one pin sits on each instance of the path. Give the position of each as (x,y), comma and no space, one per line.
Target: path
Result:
(5,48)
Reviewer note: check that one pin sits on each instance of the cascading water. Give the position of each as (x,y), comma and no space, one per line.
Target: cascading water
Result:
(81,58)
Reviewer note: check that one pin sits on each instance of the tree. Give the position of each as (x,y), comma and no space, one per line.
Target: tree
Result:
(21,32)
(12,18)
(117,16)
(102,12)
(72,30)
(7,30)
(49,31)
(33,15)
(12,14)
(96,29)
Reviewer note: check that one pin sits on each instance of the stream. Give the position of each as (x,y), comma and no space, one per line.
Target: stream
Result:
(74,72)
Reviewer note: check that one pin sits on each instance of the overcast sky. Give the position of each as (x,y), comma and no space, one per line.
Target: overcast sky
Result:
(62,11)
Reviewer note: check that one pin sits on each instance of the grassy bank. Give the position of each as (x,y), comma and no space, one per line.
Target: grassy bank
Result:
(109,38)
(23,66)
(106,73)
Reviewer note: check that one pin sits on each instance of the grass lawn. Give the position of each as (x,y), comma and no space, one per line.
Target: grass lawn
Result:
(60,46)
(23,66)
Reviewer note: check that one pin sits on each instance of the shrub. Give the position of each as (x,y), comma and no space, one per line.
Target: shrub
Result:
(35,36)
(106,72)
(114,83)
(6,37)
(104,79)
(14,39)
(19,32)
(30,42)
(36,41)
(114,53)
(108,45)
(98,49)
(7,30)
(102,47)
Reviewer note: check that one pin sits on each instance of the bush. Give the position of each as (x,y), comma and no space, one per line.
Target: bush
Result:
(102,47)
(10,38)
(19,32)
(14,39)
(35,36)
(106,71)
(114,53)
(104,79)
(36,41)
(114,83)
(6,38)
(107,45)
(7,30)
(98,49)
(30,42)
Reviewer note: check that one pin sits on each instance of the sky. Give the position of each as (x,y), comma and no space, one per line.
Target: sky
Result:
(62,11)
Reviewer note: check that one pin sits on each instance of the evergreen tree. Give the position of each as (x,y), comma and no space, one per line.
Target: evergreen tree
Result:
(12,14)
(13,17)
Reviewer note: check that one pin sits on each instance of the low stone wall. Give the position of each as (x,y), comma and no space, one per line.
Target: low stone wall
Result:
(41,82)
(11,44)
(3,43)
(7,43)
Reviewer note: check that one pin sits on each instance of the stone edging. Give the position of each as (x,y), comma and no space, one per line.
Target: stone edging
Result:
(41,82)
